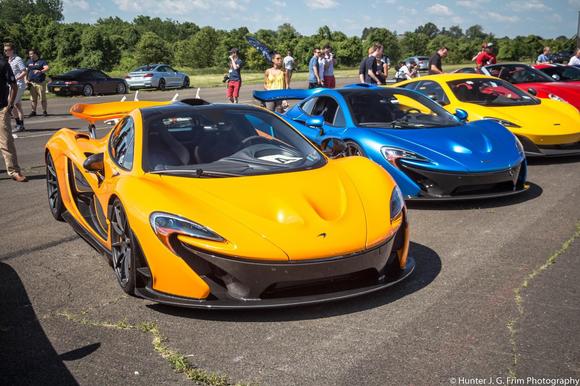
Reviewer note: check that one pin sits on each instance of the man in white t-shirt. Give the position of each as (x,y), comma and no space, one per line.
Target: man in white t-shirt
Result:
(575,60)
(19,70)
(329,62)
(288,67)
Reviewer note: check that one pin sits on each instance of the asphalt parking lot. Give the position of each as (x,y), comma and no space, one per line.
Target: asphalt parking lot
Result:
(495,294)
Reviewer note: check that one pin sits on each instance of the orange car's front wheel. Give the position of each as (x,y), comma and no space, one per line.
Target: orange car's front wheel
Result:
(54,198)
(123,248)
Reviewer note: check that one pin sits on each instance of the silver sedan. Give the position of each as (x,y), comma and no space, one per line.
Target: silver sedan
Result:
(159,76)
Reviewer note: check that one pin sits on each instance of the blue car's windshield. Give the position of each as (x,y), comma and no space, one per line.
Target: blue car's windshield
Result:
(222,141)
(395,108)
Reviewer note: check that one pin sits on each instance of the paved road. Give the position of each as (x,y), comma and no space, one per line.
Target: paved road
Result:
(485,301)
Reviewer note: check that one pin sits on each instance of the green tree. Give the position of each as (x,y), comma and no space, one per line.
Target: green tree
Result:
(414,43)
(429,29)
(387,38)
(152,49)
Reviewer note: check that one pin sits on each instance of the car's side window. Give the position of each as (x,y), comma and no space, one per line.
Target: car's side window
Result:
(98,75)
(410,86)
(434,91)
(326,107)
(308,105)
(339,118)
(121,143)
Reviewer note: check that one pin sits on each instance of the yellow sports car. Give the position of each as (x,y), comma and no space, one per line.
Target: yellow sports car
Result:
(545,127)
(222,206)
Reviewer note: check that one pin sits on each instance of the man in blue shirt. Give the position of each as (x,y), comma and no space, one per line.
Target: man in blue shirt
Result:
(36,78)
(314,79)
(545,56)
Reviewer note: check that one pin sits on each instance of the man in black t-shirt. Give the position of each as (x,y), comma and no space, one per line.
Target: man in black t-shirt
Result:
(8,90)
(371,65)
(435,61)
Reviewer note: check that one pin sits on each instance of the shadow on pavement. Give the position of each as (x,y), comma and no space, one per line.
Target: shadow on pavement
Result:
(533,192)
(428,266)
(553,160)
(26,355)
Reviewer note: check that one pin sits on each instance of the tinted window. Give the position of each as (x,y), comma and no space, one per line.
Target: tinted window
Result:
(217,141)
(326,107)
(144,68)
(98,75)
(409,86)
(489,92)
(518,74)
(121,143)
(565,74)
(339,118)
(309,105)
(432,90)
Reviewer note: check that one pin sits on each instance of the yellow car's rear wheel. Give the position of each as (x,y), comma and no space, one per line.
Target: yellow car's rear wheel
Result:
(123,248)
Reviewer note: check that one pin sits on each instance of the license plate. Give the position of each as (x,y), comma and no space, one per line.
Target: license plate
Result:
(56,89)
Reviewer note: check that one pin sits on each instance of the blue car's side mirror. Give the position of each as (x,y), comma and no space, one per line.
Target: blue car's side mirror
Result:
(461,114)
(316,122)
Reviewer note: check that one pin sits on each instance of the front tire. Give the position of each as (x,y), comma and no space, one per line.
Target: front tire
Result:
(123,248)
(185,82)
(88,90)
(54,198)
(161,85)
(354,149)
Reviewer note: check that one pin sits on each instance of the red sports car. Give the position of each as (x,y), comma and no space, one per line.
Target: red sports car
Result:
(560,72)
(536,82)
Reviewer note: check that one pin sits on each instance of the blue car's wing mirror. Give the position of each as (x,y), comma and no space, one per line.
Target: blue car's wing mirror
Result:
(461,114)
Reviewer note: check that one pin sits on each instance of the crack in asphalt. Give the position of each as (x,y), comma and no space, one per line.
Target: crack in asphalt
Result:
(178,362)
(512,324)
(37,248)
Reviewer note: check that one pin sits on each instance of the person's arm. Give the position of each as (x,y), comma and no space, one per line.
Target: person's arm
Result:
(23,70)
(285,79)
(315,70)
(373,76)
(435,70)
(233,63)
(386,69)
(11,80)
(266,79)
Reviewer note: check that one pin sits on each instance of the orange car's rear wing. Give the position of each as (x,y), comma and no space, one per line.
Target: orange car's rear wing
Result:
(110,110)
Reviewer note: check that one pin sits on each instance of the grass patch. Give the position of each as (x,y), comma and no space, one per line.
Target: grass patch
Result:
(512,324)
(178,362)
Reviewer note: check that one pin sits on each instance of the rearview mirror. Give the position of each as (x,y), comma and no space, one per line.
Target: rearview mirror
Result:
(94,163)
(333,147)
(556,76)
(532,91)
(461,114)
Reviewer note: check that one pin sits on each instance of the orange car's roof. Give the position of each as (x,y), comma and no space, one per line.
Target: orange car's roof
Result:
(110,110)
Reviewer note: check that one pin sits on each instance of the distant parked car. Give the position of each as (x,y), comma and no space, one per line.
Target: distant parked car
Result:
(560,72)
(160,76)
(87,82)
(422,62)
(562,57)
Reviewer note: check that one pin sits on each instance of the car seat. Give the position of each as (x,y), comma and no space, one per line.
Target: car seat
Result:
(164,149)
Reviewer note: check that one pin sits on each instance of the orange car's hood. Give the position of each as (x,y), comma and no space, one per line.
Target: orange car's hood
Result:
(307,215)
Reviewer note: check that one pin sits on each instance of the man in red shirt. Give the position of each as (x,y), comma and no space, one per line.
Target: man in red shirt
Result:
(485,57)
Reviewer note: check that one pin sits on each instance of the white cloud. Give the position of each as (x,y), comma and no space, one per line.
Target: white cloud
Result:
(472,4)
(529,5)
(163,7)
(321,4)
(439,10)
(503,18)
(80,4)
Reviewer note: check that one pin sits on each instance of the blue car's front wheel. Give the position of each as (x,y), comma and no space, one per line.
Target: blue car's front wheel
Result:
(354,149)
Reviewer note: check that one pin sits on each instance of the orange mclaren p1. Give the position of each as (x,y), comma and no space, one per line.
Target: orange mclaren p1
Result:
(221,206)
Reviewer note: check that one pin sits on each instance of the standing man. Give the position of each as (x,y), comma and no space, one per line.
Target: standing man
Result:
(545,56)
(19,71)
(289,67)
(385,64)
(329,63)
(435,66)
(36,76)
(8,91)
(314,79)
(371,65)
(362,70)
(485,57)
(235,78)
(575,60)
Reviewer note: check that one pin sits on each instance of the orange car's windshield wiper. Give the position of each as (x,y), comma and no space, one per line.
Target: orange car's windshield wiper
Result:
(199,173)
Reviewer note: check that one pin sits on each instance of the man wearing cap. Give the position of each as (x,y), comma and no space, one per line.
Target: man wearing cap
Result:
(485,57)
(235,78)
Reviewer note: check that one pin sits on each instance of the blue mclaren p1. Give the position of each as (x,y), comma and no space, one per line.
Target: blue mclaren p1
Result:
(432,154)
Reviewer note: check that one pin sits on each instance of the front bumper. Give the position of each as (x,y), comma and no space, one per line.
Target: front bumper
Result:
(533,150)
(451,186)
(238,283)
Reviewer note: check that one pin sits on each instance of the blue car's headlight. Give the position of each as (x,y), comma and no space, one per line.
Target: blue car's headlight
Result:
(397,203)
(166,225)
(392,154)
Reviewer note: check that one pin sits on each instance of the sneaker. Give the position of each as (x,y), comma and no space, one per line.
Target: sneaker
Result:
(32,114)
(45,113)
(19,177)
(18,128)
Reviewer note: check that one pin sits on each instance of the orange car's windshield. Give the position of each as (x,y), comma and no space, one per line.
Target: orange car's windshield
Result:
(222,141)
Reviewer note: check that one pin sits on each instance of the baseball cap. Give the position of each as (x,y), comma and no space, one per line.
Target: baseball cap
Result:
(234,51)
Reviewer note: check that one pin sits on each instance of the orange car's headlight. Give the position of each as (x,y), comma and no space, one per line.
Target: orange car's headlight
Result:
(167,226)
(397,203)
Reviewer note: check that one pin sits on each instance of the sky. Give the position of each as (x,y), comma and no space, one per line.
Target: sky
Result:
(547,18)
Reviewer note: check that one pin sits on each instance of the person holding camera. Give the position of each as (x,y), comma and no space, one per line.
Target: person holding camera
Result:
(234,76)
(36,77)
(8,91)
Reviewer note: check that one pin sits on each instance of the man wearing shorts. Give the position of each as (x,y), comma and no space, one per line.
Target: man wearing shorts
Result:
(19,71)
(235,78)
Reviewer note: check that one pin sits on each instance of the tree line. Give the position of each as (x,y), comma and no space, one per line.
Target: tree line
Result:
(115,44)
